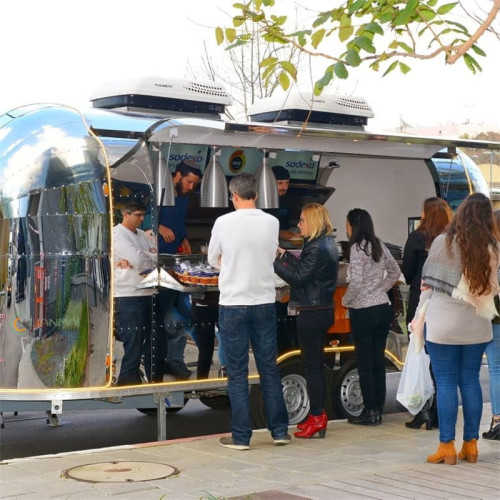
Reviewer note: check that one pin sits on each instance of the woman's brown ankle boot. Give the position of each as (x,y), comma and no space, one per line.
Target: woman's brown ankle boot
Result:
(469,451)
(445,453)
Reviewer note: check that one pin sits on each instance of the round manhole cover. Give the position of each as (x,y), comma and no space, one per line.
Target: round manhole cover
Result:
(120,472)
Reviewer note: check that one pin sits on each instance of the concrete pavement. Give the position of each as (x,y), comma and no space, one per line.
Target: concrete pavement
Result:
(352,462)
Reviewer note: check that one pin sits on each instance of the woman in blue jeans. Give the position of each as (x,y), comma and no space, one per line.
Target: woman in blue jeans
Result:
(459,283)
(493,355)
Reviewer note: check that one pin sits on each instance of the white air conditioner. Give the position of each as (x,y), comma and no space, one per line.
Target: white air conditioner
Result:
(330,109)
(163,95)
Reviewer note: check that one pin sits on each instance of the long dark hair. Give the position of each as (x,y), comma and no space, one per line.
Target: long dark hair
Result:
(363,234)
(476,234)
(437,216)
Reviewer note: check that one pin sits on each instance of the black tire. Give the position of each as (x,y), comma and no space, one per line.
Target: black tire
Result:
(216,402)
(294,392)
(344,397)
(153,411)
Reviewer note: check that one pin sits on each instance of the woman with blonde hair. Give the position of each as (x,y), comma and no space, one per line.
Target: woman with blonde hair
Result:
(313,278)
(459,283)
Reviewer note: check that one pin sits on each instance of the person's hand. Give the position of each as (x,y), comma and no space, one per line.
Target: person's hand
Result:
(186,246)
(149,233)
(280,252)
(166,233)
(123,264)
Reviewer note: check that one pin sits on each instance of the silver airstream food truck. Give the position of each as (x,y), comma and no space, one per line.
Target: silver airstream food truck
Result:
(64,173)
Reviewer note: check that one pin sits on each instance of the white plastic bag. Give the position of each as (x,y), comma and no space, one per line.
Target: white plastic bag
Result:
(415,386)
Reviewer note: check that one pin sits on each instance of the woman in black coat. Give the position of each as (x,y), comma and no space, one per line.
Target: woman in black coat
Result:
(436,215)
(313,278)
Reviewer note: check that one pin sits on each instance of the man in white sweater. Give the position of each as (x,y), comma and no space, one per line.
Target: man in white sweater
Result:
(134,253)
(243,245)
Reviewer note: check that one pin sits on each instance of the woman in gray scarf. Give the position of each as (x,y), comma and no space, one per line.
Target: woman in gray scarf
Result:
(459,282)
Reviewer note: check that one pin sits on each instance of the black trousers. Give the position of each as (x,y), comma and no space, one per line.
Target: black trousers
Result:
(312,326)
(205,316)
(369,329)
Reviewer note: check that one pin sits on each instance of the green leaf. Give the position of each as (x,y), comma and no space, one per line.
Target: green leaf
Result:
(432,3)
(390,68)
(405,47)
(375,66)
(279,20)
(268,61)
(284,81)
(238,43)
(374,28)
(478,50)
(406,14)
(461,27)
(404,68)
(393,45)
(323,81)
(219,35)
(321,19)
(289,68)
(352,58)
(230,35)
(364,43)
(268,71)
(317,37)
(427,14)
(345,33)
(444,9)
(346,29)
(340,70)
(301,38)
(238,21)
(359,4)
(472,64)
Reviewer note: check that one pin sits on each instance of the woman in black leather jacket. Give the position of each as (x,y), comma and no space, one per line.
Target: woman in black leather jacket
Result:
(313,278)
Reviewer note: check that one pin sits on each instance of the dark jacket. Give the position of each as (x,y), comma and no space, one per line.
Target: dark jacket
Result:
(312,276)
(414,257)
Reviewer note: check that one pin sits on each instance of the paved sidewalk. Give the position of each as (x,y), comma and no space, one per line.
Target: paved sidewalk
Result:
(352,462)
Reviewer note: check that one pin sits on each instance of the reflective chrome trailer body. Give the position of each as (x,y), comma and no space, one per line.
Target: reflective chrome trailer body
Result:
(55,221)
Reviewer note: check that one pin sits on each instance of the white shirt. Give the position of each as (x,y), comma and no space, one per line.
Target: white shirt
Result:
(243,245)
(140,251)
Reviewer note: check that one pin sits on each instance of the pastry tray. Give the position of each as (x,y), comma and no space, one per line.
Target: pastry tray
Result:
(164,278)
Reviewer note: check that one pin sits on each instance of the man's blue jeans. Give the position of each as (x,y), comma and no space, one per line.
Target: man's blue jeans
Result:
(133,325)
(240,327)
(457,366)
(493,354)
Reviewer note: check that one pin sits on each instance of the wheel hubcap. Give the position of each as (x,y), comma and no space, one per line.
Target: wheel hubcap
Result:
(350,395)
(296,398)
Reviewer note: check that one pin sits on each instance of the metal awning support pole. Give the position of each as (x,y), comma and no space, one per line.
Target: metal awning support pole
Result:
(161,416)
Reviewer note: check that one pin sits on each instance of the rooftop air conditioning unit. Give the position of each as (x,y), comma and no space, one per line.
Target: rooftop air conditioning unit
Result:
(164,96)
(300,107)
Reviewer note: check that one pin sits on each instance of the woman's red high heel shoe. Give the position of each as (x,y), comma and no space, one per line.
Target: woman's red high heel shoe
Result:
(303,424)
(315,425)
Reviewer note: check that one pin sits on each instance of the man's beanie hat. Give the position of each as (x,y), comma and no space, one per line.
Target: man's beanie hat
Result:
(281,173)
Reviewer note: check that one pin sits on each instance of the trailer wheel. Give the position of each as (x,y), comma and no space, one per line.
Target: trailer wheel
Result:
(216,402)
(151,412)
(344,397)
(294,392)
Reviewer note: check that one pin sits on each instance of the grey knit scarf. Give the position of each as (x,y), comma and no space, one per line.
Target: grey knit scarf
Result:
(442,271)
